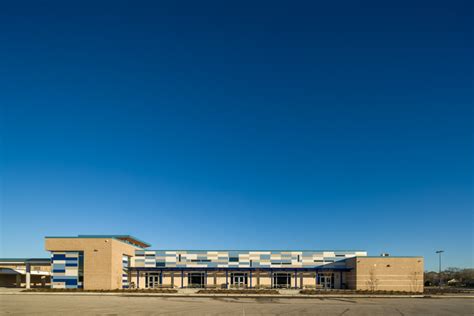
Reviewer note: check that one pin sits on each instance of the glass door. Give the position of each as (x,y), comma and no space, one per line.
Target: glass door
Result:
(281,280)
(153,280)
(196,280)
(326,281)
(238,280)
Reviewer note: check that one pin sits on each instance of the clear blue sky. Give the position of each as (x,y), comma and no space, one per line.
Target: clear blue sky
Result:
(281,125)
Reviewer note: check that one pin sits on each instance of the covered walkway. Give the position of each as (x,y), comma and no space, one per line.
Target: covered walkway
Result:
(25,272)
(167,277)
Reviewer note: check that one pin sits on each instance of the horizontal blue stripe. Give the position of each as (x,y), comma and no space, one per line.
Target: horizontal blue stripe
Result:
(61,278)
(71,282)
(59,257)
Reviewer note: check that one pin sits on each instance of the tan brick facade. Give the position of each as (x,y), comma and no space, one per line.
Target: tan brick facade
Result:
(386,273)
(102,259)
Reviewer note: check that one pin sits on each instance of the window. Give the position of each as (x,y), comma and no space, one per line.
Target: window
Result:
(179,257)
(233,259)
(281,280)
(200,260)
(81,269)
(196,279)
(299,258)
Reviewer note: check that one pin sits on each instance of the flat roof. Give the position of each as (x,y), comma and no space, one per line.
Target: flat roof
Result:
(390,256)
(262,250)
(25,260)
(125,238)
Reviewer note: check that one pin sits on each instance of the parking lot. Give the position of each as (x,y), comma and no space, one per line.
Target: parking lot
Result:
(122,305)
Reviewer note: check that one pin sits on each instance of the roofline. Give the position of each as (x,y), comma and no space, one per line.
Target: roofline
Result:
(390,257)
(283,250)
(24,259)
(116,237)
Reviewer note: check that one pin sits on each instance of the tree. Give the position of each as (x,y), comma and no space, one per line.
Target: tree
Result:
(372,282)
(414,281)
(465,277)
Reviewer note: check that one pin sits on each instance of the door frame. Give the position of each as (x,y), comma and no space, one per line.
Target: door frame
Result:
(202,284)
(153,280)
(277,275)
(242,279)
(325,280)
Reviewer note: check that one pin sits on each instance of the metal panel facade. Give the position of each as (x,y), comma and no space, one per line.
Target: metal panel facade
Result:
(241,258)
(66,269)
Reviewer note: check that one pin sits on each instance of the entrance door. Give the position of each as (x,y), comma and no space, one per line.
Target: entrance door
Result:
(326,281)
(281,280)
(196,280)
(153,280)
(239,280)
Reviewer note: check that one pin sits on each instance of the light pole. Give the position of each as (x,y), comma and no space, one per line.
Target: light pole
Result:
(439,252)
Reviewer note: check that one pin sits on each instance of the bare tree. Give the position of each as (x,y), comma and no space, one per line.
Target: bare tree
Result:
(415,281)
(372,282)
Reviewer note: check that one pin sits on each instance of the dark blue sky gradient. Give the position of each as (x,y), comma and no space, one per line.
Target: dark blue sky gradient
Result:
(330,125)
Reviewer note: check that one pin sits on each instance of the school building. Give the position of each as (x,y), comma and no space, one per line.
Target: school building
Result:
(122,261)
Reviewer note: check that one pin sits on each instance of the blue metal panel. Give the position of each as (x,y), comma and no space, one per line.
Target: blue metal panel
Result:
(59,257)
(241,259)
(69,262)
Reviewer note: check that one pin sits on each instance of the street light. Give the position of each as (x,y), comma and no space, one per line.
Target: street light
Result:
(439,252)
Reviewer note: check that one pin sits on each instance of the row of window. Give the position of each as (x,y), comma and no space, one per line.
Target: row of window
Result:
(198,279)
(236,259)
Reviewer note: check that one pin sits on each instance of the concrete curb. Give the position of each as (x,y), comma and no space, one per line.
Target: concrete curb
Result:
(302,296)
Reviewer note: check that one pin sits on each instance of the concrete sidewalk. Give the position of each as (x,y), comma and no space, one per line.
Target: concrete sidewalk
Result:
(197,295)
